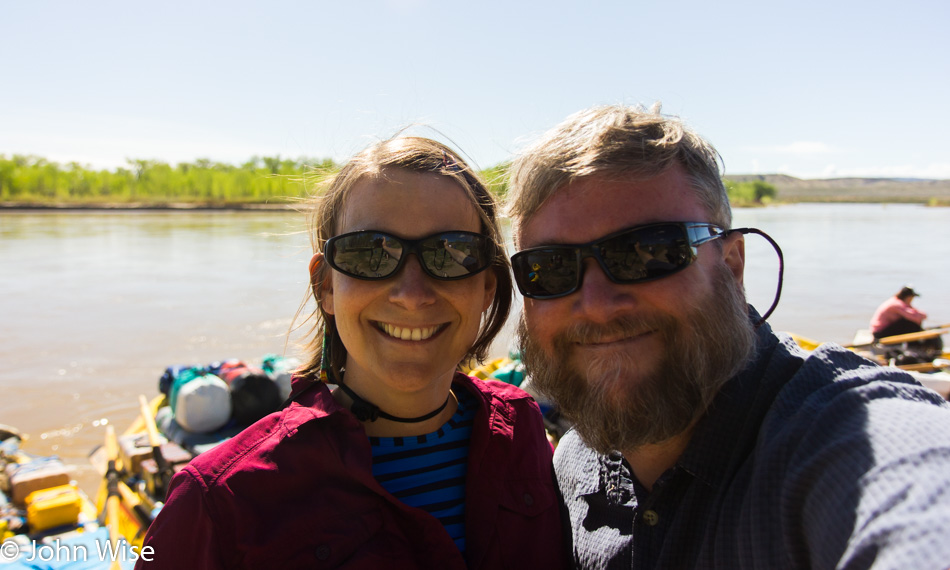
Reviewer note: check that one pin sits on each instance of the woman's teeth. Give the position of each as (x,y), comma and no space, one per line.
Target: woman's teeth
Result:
(406,333)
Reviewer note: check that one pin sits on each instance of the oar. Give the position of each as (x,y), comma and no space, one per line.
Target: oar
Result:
(919,367)
(142,513)
(112,497)
(164,470)
(909,337)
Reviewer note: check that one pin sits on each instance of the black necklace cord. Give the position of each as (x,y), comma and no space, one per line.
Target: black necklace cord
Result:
(781,268)
(366,411)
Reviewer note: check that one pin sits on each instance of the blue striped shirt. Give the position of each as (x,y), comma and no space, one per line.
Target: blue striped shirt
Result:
(428,471)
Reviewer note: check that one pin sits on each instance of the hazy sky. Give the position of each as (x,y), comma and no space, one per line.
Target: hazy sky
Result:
(808,88)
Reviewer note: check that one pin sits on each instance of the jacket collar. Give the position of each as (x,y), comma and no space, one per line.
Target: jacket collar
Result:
(313,401)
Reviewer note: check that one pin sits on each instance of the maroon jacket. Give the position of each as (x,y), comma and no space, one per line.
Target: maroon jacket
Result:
(295,490)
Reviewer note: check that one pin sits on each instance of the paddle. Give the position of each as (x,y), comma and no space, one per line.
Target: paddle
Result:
(919,367)
(909,337)
(164,469)
(115,486)
(112,497)
(132,499)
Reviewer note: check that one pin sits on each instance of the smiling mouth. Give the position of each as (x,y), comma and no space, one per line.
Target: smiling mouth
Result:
(408,333)
(610,340)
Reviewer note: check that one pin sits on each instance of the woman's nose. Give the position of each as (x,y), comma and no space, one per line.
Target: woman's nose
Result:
(412,287)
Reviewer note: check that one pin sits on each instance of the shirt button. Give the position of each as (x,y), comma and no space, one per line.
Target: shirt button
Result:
(651,517)
(528,499)
(322,552)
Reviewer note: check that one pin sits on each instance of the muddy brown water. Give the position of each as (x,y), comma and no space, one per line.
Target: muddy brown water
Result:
(94,305)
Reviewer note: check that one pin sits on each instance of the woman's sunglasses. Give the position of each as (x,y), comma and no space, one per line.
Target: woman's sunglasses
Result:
(632,255)
(375,255)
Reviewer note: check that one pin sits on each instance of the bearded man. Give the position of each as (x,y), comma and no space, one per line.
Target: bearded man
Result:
(702,439)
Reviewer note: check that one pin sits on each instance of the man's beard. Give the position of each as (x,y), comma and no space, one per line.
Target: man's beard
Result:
(610,412)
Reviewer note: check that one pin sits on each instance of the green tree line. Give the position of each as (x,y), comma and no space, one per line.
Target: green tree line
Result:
(750,193)
(32,179)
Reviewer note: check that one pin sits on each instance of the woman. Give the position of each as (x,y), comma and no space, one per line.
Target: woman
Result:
(407,463)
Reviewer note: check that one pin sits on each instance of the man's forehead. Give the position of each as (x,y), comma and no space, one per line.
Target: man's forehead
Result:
(592,207)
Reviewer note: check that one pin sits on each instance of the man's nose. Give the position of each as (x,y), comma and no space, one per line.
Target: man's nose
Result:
(599,299)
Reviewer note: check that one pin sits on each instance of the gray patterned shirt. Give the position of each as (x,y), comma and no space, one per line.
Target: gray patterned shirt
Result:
(820,460)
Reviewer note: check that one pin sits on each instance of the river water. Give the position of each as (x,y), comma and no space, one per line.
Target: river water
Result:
(94,305)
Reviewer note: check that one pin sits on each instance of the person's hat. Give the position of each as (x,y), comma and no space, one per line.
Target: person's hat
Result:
(908,291)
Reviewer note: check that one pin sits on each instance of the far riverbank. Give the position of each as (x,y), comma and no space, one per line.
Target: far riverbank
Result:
(172,206)
(302,205)
(264,183)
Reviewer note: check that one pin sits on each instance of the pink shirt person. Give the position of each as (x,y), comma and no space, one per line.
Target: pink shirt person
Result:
(895,309)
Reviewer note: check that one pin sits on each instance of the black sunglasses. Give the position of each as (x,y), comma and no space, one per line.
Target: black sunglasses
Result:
(375,255)
(632,255)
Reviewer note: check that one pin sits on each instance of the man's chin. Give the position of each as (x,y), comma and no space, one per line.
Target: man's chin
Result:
(618,375)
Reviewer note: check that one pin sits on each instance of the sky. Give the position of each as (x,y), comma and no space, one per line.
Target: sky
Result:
(812,89)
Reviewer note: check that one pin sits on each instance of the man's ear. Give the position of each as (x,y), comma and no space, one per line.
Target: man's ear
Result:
(733,253)
(324,293)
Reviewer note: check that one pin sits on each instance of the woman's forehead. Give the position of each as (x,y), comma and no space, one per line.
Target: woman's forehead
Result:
(408,204)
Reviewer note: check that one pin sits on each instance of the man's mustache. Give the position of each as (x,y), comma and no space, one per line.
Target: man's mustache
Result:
(585,332)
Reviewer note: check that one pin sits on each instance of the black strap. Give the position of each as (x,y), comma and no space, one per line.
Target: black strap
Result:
(781,267)
(366,411)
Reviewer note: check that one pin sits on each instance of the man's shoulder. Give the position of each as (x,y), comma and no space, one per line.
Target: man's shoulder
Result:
(852,451)
(814,406)
(838,403)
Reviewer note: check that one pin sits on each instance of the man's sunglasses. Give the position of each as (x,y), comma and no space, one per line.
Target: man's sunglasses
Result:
(375,255)
(632,255)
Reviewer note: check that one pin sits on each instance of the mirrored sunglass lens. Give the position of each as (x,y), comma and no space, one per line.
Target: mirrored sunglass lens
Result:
(646,253)
(367,254)
(455,255)
(546,272)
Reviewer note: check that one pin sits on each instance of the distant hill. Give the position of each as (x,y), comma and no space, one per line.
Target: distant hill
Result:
(791,189)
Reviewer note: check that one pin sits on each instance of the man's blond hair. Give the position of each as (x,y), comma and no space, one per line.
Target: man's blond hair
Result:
(615,141)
